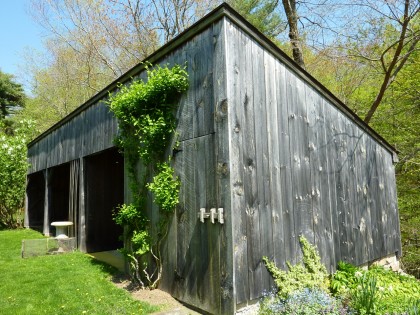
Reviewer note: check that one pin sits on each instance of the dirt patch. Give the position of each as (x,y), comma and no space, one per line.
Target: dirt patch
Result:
(167,303)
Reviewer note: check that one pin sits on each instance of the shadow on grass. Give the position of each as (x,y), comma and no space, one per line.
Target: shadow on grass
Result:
(103,266)
(118,277)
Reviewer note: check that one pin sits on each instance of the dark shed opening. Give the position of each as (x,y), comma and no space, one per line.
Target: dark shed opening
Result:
(35,192)
(104,191)
(60,181)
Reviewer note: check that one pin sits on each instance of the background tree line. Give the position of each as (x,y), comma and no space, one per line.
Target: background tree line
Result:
(365,51)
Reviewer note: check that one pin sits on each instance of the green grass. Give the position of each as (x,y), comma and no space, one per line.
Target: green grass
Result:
(61,284)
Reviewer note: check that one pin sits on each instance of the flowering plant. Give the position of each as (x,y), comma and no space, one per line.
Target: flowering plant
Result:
(303,302)
(13,169)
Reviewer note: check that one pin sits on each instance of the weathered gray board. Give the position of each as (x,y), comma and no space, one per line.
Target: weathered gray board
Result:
(90,131)
(262,139)
(301,167)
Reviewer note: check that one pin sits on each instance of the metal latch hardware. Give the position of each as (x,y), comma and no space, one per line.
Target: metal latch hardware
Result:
(214,214)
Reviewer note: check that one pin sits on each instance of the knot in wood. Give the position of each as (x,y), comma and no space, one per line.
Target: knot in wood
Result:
(222,110)
(222,168)
(224,106)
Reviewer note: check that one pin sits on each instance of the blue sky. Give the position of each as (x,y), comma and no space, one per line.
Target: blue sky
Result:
(17,32)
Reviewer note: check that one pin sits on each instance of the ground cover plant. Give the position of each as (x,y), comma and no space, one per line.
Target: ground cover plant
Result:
(377,290)
(61,284)
(305,289)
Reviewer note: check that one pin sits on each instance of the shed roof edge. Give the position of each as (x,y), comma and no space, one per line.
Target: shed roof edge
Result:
(224,10)
(264,41)
(184,36)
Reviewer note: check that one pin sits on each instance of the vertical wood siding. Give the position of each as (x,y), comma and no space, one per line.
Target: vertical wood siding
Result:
(303,168)
(202,274)
(197,257)
(268,147)
(92,131)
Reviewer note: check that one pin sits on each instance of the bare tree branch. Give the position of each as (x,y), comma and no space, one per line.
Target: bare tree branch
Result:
(390,74)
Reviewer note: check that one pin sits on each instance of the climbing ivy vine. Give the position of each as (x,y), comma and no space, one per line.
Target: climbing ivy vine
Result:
(145,114)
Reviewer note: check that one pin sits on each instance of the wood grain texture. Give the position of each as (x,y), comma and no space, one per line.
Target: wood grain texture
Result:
(82,136)
(238,134)
(307,169)
(273,169)
(262,139)
(319,165)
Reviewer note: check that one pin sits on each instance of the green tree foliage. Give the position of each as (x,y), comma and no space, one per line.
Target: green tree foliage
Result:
(12,96)
(60,83)
(89,44)
(13,169)
(263,14)
(398,120)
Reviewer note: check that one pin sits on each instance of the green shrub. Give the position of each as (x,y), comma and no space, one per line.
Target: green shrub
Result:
(13,170)
(311,274)
(165,188)
(304,289)
(377,290)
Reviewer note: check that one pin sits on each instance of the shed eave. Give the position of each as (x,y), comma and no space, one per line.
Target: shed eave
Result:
(264,41)
(183,37)
(224,10)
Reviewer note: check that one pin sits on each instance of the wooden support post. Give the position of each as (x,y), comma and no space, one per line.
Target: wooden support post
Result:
(26,218)
(82,208)
(47,202)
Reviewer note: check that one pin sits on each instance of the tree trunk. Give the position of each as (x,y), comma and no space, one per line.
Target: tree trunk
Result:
(292,19)
(397,61)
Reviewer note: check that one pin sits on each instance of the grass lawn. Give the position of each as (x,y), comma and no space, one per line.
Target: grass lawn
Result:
(61,284)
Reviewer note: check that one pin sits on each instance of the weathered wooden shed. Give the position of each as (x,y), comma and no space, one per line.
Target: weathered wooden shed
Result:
(260,138)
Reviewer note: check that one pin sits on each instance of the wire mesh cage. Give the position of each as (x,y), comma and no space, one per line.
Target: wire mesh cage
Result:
(47,246)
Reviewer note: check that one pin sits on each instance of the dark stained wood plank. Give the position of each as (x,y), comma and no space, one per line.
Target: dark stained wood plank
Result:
(394,245)
(275,207)
(203,84)
(299,155)
(188,237)
(382,213)
(372,202)
(223,180)
(262,170)
(362,219)
(290,237)
(352,212)
(82,205)
(342,179)
(100,130)
(206,291)
(186,118)
(47,202)
(366,213)
(235,68)
(210,291)
(330,116)
(323,226)
(250,178)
